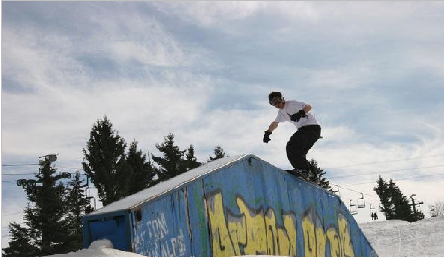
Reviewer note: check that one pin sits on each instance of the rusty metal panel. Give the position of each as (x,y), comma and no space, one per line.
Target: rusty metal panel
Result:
(198,220)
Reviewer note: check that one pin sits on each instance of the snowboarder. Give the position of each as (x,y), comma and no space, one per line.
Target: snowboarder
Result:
(308,130)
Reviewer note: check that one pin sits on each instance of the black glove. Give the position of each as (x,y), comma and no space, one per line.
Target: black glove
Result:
(267,136)
(297,116)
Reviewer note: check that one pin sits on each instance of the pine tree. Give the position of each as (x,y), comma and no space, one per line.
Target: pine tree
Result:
(402,210)
(382,190)
(21,244)
(172,162)
(218,153)
(77,204)
(190,160)
(44,216)
(143,171)
(315,175)
(105,162)
(393,203)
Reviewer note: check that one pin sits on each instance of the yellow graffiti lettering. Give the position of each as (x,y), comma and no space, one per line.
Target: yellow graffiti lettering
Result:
(253,232)
(340,243)
(344,234)
(314,236)
(272,235)
(222,246)
(238,232)
(255,228)
(289,234)
(250,233)
(321,242)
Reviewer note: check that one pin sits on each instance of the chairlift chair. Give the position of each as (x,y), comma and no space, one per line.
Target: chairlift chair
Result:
(353,210)
(361,201)
(352,204)
(336,191)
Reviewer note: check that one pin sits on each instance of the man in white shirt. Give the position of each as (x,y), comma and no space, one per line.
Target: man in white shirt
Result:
(308,129)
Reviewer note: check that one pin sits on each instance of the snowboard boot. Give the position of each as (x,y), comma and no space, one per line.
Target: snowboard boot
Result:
(302,174)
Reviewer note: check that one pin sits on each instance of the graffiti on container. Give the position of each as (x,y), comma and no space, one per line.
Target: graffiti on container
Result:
(164,245)
(257,231)
(157,228)
(315,239)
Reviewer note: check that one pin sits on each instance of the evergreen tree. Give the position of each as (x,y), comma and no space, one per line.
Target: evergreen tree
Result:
(143,171)
(44,216)
(21,244)
(393,203)
(382,190)
(190,160)
(402,210)
(315,175)
(171,163)
(105,162)
(77,204)
(218,153)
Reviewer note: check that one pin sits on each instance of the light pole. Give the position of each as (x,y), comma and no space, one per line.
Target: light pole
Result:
(32,182)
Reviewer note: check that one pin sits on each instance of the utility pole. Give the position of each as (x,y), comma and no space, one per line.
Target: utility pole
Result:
(413,203)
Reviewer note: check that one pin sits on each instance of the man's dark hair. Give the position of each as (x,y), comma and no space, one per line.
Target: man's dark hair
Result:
(274,95)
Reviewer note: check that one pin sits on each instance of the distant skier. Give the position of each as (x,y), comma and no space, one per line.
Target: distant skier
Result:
(308,130)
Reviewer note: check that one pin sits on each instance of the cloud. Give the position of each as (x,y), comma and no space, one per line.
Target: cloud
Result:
(206,13)
(202,70)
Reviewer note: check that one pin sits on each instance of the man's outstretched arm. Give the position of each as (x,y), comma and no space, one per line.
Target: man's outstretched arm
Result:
(268,132)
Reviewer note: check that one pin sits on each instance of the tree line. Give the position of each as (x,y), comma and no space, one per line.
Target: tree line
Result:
(394,204)
(56,203)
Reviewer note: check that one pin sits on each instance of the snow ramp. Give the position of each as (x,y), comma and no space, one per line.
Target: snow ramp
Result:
(233,206)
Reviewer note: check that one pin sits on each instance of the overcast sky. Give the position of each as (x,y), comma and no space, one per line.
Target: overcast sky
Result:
(373,72)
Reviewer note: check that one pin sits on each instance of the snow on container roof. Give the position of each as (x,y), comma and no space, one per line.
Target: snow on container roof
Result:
(164,187)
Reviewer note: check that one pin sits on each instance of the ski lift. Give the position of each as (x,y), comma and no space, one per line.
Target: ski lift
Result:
(336,191)
(351,203)
(22,182)
(65,175)
(361,202)
(353,210)
(32,182)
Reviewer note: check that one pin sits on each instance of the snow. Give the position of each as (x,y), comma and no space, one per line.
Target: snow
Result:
(391,238)
(101,248)
(403,239)
(169,185)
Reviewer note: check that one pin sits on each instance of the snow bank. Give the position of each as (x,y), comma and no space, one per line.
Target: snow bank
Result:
(100,248)
(396,238)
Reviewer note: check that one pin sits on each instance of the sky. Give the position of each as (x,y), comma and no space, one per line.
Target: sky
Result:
(372,71)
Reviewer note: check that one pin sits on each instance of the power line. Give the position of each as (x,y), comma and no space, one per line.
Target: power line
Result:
(431,175)
(388,171)
(11,214)
(366,163)
(18,174)
(25,164)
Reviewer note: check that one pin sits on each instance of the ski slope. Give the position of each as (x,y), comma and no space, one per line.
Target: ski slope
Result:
(389,238)
(396,238)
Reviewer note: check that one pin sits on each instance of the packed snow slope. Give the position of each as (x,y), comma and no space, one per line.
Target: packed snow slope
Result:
(396,238)
(389,238)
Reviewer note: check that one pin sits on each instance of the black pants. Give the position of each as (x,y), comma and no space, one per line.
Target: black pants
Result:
(299,144)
